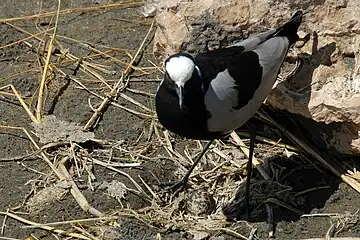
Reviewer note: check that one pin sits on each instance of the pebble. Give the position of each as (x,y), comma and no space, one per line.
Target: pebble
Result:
(303,39)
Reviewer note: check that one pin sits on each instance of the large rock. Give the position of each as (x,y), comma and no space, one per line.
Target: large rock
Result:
(327,85)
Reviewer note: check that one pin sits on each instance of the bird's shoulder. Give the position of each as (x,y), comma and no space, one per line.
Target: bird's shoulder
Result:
(211,63)
(218,60)
(240,65)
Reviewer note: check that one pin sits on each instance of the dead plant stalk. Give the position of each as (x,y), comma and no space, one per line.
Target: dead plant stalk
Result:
(74,10)
(108,99)
(39,106)
(48,228)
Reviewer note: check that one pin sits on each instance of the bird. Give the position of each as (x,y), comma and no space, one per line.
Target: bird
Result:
(207,96)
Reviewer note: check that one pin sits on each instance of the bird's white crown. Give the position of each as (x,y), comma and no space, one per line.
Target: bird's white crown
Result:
(180,69)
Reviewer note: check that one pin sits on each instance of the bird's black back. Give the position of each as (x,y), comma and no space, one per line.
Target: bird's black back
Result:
(215,61)
(243,67)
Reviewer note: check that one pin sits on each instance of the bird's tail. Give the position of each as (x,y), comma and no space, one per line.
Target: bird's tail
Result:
(290,28)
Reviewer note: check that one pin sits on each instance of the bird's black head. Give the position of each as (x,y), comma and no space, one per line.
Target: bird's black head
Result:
(179,69)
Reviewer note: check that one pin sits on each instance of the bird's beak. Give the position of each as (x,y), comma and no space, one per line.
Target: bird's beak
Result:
(180,92)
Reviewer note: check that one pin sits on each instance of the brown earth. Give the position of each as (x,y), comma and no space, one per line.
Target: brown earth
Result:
(115,30)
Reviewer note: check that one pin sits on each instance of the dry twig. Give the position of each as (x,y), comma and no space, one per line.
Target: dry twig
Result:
(73,10)
(40,101)
(48,228)
(118,86)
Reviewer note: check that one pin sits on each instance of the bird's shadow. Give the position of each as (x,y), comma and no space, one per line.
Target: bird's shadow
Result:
(298,87)
(297,187)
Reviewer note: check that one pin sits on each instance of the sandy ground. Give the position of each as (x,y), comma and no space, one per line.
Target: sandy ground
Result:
(30,189)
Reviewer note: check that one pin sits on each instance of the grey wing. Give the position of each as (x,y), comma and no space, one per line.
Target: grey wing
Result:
(248,74)
(254,40)
(222,97)
(271,56)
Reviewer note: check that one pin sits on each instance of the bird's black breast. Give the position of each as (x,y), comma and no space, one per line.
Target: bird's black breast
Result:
(243,67)
(189,121)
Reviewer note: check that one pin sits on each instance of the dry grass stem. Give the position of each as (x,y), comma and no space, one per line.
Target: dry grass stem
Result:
(333,238)
(155,196)
(88,45)
(27,38)
(136,91)
(22,102)
(31,71)
(43,155)
(48,228)
(140,190)
(82,86)
(221,154)
(3,225)
(33,154)
(62,174)
(79,197)
(40,101)
(83,64)
(84,67)
(72,222)
(118,86)
(233,233)
(73,10)
(269,141)
(124,96)
(256,162)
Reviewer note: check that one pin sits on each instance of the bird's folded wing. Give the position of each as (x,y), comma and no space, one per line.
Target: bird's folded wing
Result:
(271,55)
(253,41)
(248,71)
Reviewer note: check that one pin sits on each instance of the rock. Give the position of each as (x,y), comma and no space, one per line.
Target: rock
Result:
(303,39)
(326,87)
(47,196)
(149,8)
(52,130)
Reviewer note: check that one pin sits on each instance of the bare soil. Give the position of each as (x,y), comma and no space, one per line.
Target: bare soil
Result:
(124,139)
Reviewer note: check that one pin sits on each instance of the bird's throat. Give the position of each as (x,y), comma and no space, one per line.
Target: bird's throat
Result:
(180,92)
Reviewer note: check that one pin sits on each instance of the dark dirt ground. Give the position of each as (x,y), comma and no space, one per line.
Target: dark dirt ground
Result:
(125,28)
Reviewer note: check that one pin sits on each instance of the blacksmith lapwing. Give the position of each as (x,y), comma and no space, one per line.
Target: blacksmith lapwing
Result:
(210,95)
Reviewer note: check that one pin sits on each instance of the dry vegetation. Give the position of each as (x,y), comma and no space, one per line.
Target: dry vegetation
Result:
(72,151)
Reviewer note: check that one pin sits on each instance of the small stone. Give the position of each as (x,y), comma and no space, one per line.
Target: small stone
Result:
(51,129)
(302,34)
(348,53)
(303,39)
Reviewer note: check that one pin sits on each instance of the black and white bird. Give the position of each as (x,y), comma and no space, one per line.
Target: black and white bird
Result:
(210,95)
